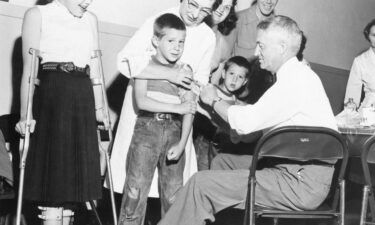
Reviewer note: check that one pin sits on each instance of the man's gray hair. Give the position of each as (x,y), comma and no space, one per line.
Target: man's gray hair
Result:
(287,25)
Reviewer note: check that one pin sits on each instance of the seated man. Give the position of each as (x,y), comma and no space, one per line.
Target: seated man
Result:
(297,98)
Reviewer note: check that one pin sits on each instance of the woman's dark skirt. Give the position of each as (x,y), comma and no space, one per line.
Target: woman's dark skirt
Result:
(62,165)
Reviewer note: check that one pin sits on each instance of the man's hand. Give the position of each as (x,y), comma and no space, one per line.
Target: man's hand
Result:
(208,94)
(183,78)
(235,138)
(21,126)
(188,107)
(175,152)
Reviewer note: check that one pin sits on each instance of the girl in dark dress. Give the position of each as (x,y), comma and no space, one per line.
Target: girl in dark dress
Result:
(62,166)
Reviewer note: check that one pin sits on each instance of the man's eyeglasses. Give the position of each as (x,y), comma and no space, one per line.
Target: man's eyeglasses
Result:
(203,11)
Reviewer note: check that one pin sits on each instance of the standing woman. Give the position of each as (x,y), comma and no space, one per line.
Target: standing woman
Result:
(62,166)
(362,72)
(222,22)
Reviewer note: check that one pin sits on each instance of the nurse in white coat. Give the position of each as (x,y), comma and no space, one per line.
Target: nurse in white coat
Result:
(133,58)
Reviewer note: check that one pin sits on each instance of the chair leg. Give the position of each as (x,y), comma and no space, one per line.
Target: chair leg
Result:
(342,202)
(366,190)
(275,221)
(372,205)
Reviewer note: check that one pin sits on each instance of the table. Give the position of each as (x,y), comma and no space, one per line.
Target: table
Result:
(356,136)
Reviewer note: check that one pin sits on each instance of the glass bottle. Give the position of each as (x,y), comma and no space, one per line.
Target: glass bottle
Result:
(350,106)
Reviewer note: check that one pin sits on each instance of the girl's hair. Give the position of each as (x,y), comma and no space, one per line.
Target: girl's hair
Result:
(367,29)
(229,23)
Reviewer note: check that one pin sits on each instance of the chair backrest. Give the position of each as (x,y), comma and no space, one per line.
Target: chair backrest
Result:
(369,151)
(302,143)
(305,143)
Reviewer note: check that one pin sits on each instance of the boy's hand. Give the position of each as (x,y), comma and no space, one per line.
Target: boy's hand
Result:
(188,107)
(235,138)
(175,152)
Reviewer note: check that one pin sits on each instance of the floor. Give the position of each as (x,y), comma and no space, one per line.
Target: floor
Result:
(228,217)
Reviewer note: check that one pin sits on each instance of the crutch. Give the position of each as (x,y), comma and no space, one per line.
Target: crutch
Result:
(107,126)
(24,143)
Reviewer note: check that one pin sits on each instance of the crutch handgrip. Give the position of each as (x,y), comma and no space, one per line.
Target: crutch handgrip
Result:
(34,51)
(96,81)
(126,60)
(97,53)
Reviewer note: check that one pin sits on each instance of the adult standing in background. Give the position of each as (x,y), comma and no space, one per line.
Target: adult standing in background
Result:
(222,21)
(133,61)
(362,72)
(243,37)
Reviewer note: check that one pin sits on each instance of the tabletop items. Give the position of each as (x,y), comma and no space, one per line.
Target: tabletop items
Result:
(350,117)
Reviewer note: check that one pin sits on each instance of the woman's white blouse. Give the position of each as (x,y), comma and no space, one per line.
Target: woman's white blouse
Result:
(362,73)
(65,38)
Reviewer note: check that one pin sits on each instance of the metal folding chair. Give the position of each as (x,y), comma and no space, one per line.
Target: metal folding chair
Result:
(301,143)
(368,157)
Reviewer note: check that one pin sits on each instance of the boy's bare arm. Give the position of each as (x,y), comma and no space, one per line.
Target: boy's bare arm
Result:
(180,76)
(187,123)
(148,104)
(175,152)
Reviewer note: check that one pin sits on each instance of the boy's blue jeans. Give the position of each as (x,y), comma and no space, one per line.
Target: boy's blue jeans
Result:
(150,143)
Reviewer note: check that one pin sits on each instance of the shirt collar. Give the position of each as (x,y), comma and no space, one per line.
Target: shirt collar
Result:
(65,10)
(155,60)
(61,6)
(289,64)
(224,92)
(371,54)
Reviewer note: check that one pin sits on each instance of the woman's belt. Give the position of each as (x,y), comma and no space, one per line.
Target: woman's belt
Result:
(67,67)
(159,116)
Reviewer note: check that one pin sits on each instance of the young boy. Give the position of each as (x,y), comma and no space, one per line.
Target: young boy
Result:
(235,75)
(159,138)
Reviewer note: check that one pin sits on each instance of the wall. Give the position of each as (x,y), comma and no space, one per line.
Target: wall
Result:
(112,38)
(333,27)
(124,12)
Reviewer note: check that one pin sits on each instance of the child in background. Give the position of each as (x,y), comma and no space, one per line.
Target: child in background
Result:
(160,136)
(235,75)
